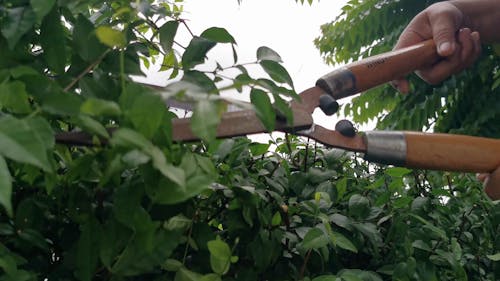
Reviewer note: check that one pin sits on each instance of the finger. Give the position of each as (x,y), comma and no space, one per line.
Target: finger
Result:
(466,44)
(482,177)
(417,31)
(477,45)
(401,85)
(444,26)
(492,185)
(441,70)
(470,47)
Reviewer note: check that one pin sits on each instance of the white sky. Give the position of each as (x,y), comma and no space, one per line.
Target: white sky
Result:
(287,27)
(283,25)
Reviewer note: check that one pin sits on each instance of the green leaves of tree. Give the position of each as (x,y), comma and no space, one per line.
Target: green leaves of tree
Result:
(111,37)
(263,108)
(5,187)
(220,256)
(167,34)
(52,39)
(16,22)
(199,46)
(266,53)
(26,141)
(42,8)
(205,120)
(219,35)
(196,51)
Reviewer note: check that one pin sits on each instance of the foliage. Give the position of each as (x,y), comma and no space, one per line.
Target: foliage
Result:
(138,206)
(467,103)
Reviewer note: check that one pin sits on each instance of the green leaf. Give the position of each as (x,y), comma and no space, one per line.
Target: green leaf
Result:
(263,108)
(341,187)
(87,252)
(276,220)
(495,257)
(200,79)
(167,34)
(17,22)
(144,109)
(21,142)
(196,52)
(205,120)
(397,172)
(359,206)
(5,187)
(258,149)
(22,70)
(129,138)
(343,242)
(42,8)
(53,41)
(325,278)
(277,72)
(111,37)
(211,277)
(220,256)
(196,181)
(91,125)
(218,34)
(178,222)
(315,239)
(14,97)
(186,275)
(172,265)
(266,53)
(85,42)
(99,107)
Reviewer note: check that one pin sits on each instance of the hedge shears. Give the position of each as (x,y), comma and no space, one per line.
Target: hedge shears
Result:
(434,151)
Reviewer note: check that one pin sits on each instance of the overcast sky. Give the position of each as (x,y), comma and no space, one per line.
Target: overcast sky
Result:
(283,25)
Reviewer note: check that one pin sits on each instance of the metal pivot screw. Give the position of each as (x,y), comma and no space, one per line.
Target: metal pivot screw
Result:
(345,128)
(328,104)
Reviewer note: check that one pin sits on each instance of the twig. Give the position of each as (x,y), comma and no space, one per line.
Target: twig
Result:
(303,268)
(86,71)
(187,27)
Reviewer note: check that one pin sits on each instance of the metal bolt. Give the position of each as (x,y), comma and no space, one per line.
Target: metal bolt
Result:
(328,104)
(345,128)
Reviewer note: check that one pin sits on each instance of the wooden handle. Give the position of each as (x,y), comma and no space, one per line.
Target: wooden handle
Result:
(452,152)
(444,152)
(376,70)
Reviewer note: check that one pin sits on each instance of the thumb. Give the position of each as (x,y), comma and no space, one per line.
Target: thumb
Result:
(444,28)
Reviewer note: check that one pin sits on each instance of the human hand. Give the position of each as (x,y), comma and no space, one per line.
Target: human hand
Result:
(491,184)
(458,46)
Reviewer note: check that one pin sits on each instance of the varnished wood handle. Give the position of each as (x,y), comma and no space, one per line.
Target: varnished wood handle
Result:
(452,152)
(444,152)
(376,70)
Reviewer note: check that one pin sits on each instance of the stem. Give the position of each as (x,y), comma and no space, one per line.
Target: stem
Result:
(187,244)
(306,155)
(86,71)
(187,27)
(303,268)
(122,69)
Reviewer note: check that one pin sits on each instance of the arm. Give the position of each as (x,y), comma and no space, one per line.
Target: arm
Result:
(458,27)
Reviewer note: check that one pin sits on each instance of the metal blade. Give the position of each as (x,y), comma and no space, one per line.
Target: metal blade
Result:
(335,139)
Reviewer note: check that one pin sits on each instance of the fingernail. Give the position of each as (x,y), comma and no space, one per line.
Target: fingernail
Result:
(445,48)
(475,36)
